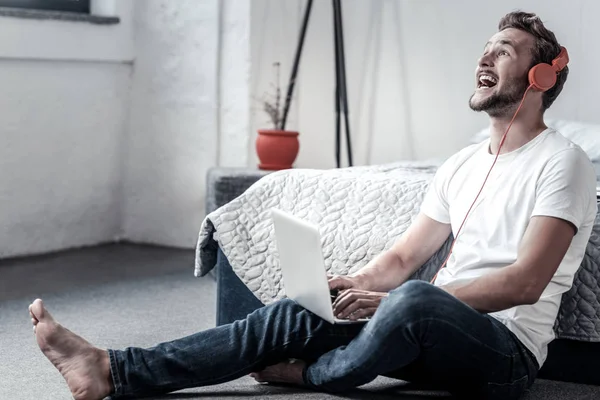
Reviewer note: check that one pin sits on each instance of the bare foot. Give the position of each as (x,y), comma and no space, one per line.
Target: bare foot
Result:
(285,372)
(84,367)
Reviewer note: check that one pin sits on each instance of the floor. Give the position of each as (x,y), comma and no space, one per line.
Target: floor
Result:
(123,295)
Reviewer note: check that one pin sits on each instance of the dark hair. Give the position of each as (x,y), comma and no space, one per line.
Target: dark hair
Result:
(545,49)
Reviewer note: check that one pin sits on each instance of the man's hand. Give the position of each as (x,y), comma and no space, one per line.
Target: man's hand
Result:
(353,301)
(341,282)
(357,303)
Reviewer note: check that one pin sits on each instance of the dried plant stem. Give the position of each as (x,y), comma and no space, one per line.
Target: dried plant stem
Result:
(273,109)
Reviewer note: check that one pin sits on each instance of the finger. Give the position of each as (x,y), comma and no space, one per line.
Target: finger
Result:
(356,306)
(339,282)
(363,313)
(334,282)
(346,296)
(343,299)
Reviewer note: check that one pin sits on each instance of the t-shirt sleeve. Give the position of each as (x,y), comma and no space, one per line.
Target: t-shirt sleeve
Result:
(435,203)
(566,187)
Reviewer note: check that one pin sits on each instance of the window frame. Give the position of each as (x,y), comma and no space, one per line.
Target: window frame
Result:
(76,6)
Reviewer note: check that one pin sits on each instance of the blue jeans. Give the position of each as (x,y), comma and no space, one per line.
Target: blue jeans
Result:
(419,333)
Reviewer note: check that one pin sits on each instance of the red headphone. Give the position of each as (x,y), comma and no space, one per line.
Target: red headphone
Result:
(543,76)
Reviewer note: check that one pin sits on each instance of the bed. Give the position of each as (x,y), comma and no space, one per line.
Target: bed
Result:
(362,211)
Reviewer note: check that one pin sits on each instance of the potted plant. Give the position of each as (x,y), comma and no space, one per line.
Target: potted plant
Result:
(276,148)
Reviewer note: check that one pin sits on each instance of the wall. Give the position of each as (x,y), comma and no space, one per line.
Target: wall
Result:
(233,100)
(97,147)
(273,31)
(376,89)
(445,40)
(63,111)
(184,119)
(410,71)
(376,69)
(109,131)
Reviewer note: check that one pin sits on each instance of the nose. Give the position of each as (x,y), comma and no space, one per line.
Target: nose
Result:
(485,60)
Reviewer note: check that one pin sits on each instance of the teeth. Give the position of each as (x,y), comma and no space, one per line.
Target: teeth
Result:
(489,78)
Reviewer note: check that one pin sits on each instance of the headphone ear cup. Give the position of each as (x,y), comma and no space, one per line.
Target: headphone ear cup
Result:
(542,77)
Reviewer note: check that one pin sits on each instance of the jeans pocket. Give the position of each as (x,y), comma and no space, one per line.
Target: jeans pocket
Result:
(507,391)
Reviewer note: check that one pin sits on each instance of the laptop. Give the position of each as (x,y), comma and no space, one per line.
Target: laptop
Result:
(303,266)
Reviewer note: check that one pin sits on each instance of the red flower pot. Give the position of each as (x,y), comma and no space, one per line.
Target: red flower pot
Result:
(276,149)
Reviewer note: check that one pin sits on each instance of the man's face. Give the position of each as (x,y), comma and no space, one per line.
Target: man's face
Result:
(501,74)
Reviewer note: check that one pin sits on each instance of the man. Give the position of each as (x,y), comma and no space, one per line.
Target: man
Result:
(481,330)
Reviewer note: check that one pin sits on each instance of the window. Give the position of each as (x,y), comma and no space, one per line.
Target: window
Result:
(79,6)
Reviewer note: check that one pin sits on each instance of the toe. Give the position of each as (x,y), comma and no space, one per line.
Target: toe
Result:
(39,311)
(32,316)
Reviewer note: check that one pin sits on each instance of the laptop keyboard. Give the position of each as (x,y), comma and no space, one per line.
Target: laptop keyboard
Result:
(333,293)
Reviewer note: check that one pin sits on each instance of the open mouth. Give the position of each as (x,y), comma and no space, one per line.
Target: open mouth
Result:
(486,81)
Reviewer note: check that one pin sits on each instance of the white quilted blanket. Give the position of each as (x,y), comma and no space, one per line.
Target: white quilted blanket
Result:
(360,211)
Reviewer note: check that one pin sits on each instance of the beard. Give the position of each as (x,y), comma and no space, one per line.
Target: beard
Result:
(503,102)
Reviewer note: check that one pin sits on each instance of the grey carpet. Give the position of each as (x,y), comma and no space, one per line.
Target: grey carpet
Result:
(128,295)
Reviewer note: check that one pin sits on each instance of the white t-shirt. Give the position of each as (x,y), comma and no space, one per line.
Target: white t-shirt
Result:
(548,176)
